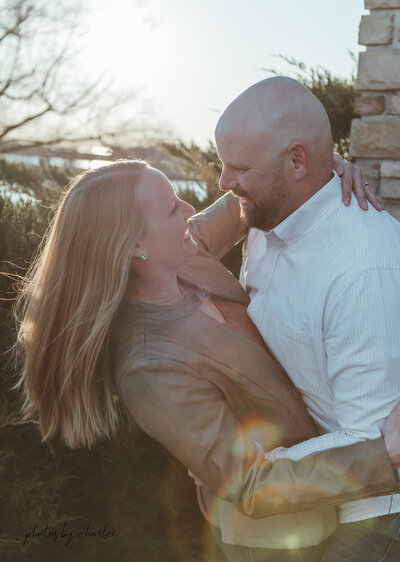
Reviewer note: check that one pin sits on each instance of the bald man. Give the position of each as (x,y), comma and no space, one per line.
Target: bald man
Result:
(324,284)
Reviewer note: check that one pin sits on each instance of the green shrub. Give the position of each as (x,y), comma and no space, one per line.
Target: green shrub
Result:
(44,182)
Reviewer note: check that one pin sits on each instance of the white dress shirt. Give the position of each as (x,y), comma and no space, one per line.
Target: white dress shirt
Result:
(325,295)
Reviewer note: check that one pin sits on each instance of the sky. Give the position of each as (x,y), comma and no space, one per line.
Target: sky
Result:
(190,58)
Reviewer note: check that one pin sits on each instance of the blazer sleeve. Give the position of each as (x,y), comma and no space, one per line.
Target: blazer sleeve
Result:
(219,227)
(189,416)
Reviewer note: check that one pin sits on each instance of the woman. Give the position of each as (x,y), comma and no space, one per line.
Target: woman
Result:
(128,295)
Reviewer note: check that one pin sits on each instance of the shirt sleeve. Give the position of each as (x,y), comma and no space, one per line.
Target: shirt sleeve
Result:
(219,227)
(362,345)
(187,414)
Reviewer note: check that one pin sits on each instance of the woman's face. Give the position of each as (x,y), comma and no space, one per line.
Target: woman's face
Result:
(166,238)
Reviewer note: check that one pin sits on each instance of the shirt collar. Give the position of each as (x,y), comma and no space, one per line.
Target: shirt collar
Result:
(311,214)
(176,311)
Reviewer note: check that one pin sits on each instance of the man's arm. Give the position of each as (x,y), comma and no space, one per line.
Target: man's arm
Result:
(188,415)
(362,345)
(391,431)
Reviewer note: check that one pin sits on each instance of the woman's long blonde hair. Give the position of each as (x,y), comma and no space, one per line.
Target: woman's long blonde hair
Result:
(68,302)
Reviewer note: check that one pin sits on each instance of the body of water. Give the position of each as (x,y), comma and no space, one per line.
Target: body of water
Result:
(199,188)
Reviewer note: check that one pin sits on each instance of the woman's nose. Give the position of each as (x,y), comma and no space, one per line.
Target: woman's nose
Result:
(189,210)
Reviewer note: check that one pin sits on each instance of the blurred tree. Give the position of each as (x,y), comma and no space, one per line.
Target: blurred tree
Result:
(43,183)
(40,78)
(201,166)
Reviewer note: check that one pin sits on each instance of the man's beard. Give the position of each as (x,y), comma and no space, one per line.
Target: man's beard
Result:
(265,215)
(256,216)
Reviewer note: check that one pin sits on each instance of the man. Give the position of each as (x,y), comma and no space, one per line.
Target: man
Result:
(324,284)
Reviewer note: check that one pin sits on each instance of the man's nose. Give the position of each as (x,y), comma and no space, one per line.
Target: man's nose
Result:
(227,181)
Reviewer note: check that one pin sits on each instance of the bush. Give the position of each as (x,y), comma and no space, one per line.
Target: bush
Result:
(43,183)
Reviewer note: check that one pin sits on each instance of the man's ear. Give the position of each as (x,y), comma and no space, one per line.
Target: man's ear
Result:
(299,159)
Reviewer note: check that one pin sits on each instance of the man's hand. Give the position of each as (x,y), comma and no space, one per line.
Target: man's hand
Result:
(391,432)
(353,179)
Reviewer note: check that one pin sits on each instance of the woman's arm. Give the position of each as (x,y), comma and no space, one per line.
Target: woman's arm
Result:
(189,416)
(219,227)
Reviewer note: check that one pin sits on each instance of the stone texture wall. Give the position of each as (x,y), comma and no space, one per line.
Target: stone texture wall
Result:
(375,137)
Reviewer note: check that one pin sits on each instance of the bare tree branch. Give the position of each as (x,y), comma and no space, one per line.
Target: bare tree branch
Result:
(103,138)
(37,82)
(24,121)
(16,80)
(20,19)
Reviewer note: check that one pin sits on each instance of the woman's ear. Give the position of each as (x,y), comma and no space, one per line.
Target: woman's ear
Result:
(299,159)
(138,251)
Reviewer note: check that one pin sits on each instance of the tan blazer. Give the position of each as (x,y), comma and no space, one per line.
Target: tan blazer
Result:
(217,400)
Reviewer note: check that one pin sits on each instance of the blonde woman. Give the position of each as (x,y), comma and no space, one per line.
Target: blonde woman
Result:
(128,297)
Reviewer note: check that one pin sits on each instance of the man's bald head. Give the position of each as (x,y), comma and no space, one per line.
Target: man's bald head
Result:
(278,110)
(275,143)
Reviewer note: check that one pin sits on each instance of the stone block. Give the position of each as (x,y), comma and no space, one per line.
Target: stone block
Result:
(369,105)
(381,4)
(371,169)
(396,23)
(393,208)
(394,104)
(390,188)
(390,169)
(376,29)
(375,139)
(379,69)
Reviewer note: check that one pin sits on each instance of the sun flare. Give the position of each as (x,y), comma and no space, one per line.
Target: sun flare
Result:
(125,43)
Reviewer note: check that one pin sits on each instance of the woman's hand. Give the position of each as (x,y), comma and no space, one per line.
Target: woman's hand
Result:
(353,179)
(391,433)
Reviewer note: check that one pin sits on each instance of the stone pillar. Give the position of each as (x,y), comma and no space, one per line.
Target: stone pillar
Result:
(375,138)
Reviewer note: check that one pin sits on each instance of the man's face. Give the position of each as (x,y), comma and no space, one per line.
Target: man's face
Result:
(252,174)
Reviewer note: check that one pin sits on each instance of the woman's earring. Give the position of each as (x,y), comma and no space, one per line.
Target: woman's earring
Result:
(144,256)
